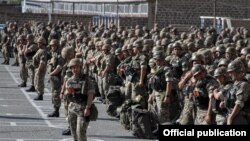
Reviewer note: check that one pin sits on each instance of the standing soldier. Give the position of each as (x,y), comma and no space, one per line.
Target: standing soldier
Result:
(238,99)
(55,68)
(22,60)
(40,62)
(82,90)
(29,51)
(204,87)
(107,68)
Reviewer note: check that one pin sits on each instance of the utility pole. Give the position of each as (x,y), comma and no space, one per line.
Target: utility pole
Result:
(156,9)
(215,5)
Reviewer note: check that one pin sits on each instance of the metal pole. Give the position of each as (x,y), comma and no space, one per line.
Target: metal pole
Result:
(215,5)
(117,13)
(156,9)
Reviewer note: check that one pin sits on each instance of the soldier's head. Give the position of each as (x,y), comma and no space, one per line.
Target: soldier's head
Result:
(106,48)
(41,42)
(30,38)
(68,53)
(137,46)
(197,58)
(220,74)
(223,62)
(230,53)
(152,63)
(159,57)
(198,71)
(177,50)
(236,69)
(119,54)
(54,44)
(75,65)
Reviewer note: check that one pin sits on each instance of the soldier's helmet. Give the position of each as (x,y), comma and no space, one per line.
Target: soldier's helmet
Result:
(220,72)
(124,47)
(223,62)
(108,41)
(67,53)
(54,42)
(157,48)
(196,69)
(137,44)
(177,45)
(118,51)
(245,51)
(236,66)
(231,50)
(197,57)
(165,41)
(106,47)
(75,62)
(41,40)
(158,55)
(151,62)
(130,46)
(220,48)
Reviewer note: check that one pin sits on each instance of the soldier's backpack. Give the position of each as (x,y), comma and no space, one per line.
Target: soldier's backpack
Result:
(125,114)
(141,123)
(114,100)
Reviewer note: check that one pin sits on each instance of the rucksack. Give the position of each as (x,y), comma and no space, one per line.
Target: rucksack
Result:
(125,114)
(141,123)
(114,100)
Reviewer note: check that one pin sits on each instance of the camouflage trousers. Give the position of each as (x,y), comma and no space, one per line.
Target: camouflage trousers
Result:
(55,82)
(67,99)
(6,53)
(186,117)
(39,82)
(99,83)
(200,115)
(162,108)
(78,124)
(23,72)
(31,71)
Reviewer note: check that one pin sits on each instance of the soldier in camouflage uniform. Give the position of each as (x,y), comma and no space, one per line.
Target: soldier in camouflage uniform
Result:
(204,87)
(217,101)
(82,91)
(107,68)
(238,99)
(55,66)
(22,60)
(40,62)
(29,51)
(67,54)
(163,89)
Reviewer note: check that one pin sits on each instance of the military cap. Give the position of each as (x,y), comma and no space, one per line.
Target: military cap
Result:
(68,52)
(41,40)
(177,44)
(245,51)
(158,55)
(54,42)
(106,46)
(223,62)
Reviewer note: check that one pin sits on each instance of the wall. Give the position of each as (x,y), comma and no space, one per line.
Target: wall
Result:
(189,11)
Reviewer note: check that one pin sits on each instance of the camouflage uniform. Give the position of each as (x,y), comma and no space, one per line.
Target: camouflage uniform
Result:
(238,99)
(204,87)
(22,61)
(40,62)
(56,63)
(81,88)
(29,61)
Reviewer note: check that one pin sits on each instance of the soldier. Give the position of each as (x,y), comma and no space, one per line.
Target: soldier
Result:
(82,91)
(107,68)
(204,87)
(67,54)
(238,99)
(29,51)
(6,48)
(22,61)
(55,67)
(40,62)
(218,95)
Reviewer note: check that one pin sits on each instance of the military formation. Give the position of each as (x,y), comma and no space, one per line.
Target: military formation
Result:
(197,77)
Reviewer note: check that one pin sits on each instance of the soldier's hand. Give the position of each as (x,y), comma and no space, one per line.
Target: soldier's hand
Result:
(207,118)
(61,96)
(166,100)
(86,112)
(229,119)
(141,84)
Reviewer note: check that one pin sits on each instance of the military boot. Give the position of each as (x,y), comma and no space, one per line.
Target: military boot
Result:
(22,84)
(66,132)
(31,89)
(55,113)
(39,97)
